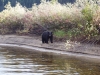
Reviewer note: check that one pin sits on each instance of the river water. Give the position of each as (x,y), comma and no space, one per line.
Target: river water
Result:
(18,61)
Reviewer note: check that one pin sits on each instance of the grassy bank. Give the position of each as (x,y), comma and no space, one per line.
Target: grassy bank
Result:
(76,22)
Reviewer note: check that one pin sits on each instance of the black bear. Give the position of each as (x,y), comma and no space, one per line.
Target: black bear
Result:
(46,35)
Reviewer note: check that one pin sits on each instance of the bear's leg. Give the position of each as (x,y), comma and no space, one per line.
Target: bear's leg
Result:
(51,39)
(43,41)
(46,40)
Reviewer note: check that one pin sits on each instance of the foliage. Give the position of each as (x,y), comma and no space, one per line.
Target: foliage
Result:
(88,15)
(74,20)
(27,3)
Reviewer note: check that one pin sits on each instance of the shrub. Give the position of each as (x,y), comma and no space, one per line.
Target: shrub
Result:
(74,20)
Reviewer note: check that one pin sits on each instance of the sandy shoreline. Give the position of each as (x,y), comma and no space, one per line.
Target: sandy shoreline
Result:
(72,49)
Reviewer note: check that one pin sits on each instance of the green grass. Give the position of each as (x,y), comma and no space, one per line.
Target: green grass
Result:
(60,33)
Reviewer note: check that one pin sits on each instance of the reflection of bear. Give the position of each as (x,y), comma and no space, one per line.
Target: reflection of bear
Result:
(46,35)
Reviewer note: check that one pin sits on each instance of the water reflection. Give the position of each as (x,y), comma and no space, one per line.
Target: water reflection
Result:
(14,61)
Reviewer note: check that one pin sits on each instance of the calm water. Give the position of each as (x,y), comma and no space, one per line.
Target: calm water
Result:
(15,61)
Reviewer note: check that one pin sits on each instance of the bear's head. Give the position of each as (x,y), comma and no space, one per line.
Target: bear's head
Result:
(50,34)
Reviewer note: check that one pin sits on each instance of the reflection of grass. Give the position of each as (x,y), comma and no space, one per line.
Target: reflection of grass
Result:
(59,33)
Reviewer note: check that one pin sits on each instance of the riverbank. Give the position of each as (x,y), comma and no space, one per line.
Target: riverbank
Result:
(34,41)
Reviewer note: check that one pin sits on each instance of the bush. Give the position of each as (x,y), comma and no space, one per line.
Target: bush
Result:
(74,20)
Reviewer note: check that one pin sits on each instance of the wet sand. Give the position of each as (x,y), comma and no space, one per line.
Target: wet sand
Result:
(63,48)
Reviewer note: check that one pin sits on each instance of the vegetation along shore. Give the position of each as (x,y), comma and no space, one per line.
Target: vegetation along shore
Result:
(79,21)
